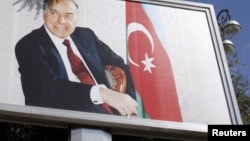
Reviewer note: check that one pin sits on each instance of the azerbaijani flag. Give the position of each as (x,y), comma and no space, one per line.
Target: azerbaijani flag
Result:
(150,67)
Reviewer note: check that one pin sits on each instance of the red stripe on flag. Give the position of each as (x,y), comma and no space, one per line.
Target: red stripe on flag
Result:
(150,66)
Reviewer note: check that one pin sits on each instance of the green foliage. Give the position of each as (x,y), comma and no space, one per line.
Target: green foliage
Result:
(19,132)
(241,87)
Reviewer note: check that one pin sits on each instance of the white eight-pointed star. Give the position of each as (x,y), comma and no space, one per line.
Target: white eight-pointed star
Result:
(148,63)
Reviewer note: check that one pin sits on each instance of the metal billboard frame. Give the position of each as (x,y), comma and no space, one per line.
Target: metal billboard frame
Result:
(136,126)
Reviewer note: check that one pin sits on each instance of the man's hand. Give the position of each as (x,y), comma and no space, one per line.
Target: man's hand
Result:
(125,104)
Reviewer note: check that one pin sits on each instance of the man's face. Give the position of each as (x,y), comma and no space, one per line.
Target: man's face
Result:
(61,18)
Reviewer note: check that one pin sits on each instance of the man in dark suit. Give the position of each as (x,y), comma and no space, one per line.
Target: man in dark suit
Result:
(46,75)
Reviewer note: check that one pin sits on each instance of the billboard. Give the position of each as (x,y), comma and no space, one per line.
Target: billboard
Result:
(177,67)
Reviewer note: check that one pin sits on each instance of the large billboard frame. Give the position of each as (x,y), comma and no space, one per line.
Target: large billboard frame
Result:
(137,126)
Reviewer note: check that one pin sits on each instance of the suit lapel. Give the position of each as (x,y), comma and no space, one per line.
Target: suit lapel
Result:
(53,54)
(87,48)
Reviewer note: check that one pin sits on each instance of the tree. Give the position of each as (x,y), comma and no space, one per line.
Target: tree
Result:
(30,4)
(241,87)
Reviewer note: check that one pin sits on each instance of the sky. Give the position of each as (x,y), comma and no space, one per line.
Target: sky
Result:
(240,12)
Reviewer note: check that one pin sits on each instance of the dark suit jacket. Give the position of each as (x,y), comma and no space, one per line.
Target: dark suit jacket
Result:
(43,75)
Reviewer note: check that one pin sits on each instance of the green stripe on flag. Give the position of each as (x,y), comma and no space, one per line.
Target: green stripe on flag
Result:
(141,112)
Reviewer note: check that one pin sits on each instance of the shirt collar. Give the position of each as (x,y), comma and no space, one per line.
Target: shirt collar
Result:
(53,37)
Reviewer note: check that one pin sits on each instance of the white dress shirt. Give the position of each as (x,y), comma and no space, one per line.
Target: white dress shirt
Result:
(62,49)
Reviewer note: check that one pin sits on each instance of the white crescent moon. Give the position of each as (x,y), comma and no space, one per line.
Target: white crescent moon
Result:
(133,27)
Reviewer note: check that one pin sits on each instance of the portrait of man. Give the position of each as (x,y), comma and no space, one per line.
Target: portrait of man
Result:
(63,66)
(69,55)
